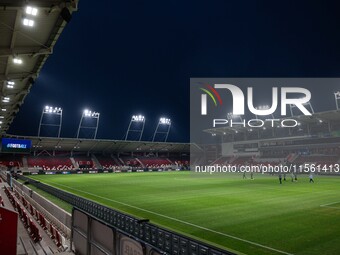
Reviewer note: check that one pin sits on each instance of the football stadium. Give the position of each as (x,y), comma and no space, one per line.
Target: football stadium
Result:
(267,185)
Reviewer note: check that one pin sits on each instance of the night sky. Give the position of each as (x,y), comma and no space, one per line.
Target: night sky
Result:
(128,57)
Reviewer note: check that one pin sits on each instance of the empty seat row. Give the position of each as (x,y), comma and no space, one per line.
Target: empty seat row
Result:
(50,162)
(46,225)
(26,220)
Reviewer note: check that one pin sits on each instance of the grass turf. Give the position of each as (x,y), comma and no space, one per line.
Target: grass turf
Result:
(248,216)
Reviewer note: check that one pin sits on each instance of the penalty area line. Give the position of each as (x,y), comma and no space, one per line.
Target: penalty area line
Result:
(181,221)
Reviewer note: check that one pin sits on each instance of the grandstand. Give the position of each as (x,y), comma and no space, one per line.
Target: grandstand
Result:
(49,163)
(59,154)
(315,140)
(108,161)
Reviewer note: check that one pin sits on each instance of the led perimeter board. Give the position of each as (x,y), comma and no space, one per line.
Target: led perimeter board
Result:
(9,145)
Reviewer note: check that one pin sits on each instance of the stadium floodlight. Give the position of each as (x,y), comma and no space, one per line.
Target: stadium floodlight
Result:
(88,114)
(51,109)
(56,112)
(136,126)
(1,117)
(165,121)
(3,109)
(6,99)
(163,128)
(31,11)
(28,22)
(337,97)
(138,118)
(17,61)
(264,107)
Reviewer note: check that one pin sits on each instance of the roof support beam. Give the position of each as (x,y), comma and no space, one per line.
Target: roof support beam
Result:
(17,76)
(109,146)
(28,51)
(14,36)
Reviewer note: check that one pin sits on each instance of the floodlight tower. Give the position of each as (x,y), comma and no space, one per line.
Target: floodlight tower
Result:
(138,123)
(87,114)
(292,106)
(51,111)
(163,122)
(264,107)
(231,116)
(337,97)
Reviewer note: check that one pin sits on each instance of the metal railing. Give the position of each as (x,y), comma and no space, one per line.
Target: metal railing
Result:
(166,241)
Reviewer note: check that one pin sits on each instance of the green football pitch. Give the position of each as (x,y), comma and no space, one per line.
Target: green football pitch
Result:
(257,216)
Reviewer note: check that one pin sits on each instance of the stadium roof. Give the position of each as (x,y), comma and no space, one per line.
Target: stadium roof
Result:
(28,36)
(98,145)
(314,119)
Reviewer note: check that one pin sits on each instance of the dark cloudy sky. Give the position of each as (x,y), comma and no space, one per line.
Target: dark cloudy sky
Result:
(125,57)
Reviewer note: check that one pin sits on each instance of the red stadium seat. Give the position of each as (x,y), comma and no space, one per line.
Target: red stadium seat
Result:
(58,238)
(52,231)
(58,163)
(42,221)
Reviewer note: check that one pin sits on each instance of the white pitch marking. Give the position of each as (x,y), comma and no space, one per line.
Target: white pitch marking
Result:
(181,221)
(330,204)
